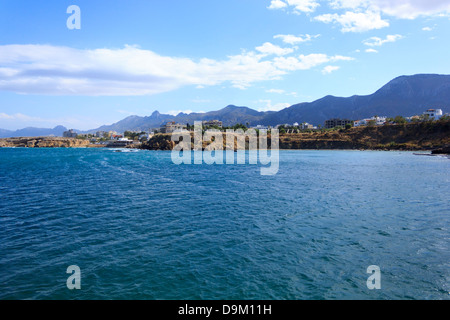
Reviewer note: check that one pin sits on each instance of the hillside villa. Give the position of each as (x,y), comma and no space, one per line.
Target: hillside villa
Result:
(70,134)
(213,123)
(333,123)
(378,121)
(171,127)
(435,114)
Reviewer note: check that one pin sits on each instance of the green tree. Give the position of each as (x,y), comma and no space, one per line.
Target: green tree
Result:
(400,120)
(239,126)
(425,117)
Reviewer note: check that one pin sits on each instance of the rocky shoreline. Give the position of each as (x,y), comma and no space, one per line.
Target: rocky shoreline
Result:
(444,150)
(408,137)
(433,137)
(43,142)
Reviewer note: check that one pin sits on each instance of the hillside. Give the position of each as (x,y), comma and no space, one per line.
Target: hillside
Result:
(405,95)
(408,137)
(229,115)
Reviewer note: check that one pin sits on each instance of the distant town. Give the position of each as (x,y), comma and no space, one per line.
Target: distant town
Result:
(130,138)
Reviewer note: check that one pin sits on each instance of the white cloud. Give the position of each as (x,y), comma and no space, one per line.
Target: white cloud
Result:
(269,107)
(131,71)
(427,29)
(355,21)
(304,5)
(305,62)
(358,10)
(403,9)
(277,4)
(411,9)
(279,91)
(371,50)
(269,49)
(5,116)
(378,42)
(20,120)
(51,70)
(177,112)
(20,117)
(330,69)
(293,40)
(298,6)
(341,58)
(346,4)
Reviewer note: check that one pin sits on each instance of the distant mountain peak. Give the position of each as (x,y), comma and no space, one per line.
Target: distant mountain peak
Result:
(234,107)
(404,95)
(33,132)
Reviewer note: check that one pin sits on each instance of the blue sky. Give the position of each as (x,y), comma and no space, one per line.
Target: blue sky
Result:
(137,56)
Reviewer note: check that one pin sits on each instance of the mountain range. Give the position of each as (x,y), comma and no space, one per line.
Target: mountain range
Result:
(33,132)
(405,95)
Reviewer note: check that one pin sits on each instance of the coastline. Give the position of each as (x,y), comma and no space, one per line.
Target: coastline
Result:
(43,142)
(421,137)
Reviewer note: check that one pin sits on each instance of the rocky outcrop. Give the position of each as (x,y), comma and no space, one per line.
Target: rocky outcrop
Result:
(43,142)
(408,137)
(444,150)
(159,142)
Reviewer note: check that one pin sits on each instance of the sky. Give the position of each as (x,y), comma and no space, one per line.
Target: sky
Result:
(119,58)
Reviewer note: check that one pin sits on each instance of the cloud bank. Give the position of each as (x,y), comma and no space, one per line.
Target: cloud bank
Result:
(131,71)
(364,15)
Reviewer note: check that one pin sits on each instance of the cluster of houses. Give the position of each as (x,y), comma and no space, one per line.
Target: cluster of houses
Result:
(106,138)
(378,121)
(171,127)
(114,139)
(431,114)
(293,127)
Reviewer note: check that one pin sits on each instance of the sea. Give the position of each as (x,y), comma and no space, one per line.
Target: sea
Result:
(140,227)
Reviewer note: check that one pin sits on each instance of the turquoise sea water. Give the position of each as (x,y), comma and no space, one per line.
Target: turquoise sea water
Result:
(140,227)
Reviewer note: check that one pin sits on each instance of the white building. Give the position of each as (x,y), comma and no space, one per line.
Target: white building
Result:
(306,125)
(261,127)
(434,114)
(101,134)
(70,134)
(379,121)
(213,123)
(171,127)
